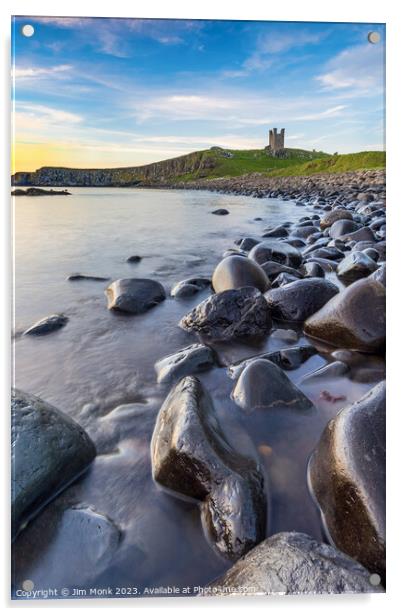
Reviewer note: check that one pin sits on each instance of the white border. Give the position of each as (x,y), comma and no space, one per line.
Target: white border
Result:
(302,10)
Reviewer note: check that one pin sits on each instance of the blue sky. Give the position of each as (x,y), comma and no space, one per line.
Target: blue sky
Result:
(116,92)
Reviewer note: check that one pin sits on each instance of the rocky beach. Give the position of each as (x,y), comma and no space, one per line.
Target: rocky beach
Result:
(251,452)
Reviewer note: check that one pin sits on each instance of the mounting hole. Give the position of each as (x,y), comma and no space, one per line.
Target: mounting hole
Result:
(28,585)
(28,30)
(374,37)
(375,579)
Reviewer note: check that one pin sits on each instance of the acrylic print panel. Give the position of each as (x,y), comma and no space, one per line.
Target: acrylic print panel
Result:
(199,302)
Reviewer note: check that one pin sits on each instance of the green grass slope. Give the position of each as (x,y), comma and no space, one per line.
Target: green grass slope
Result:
(216,163)
(340,163)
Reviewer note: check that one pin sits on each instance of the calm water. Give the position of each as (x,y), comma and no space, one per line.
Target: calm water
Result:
(99,369)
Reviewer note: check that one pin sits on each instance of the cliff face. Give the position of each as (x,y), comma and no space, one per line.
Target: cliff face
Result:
(146,175)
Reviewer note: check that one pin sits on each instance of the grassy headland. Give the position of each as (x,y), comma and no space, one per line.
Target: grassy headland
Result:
(206,164)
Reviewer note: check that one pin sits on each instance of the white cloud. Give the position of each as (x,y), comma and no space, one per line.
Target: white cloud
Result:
(273,44)
(359,69)
(319,115)
(39,72)
(32,118)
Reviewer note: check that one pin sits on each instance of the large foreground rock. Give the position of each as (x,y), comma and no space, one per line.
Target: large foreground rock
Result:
(273,250)
(235,272)
(347,477)
(191,456)
(300,299)
(194,358)
(48,451)
(237,313)
(262,385)
(293,564)
(134,295)
(353,319)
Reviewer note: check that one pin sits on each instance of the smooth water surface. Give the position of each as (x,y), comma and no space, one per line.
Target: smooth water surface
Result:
(99,369)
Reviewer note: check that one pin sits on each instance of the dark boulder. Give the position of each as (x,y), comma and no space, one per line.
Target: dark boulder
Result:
(312,269)
(262,385)
(361,235)
(237,313)
(380,275)
(48,451)
(283,279)
(300,299)
(247,243)
(340,214)
(194,358)
(278,231)
(355,266)
(133,259)
(274,250)
(342,227)
(304,232)
(47,325)
(134,295)
(75,277)
(235,272)
(272,269)
(347,477)
(352,319)
(291,563)
(220,212)
(191,456)
(189,287)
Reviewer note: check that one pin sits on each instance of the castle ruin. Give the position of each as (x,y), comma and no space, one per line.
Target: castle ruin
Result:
(276,141)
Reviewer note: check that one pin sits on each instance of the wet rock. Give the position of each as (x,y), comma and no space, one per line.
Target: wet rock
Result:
(287,335)
(134,295)
(220,212)
(192,359)
(47,325)
(326,264)
(235,272)
(304,232)
(274,250)
(312,270)
(247,243)
(191,456)
(134,259)
(87,541)
(189,287)
(342,227)
(379,275)
(352,319)
(48,451)
(329,253)
(237,313)
(74,277)
(283,279)
(355,266)
(300,299)
(287,359)
(272,269)
(262,385)
(340,214)
(372,253)
(330,371)
(363,234)
(347,476)
(278,231)
(291,563)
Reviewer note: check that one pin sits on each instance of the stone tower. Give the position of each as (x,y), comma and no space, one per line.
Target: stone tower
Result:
(276,141)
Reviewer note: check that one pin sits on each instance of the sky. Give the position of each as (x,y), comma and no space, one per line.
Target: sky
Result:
(102,92)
